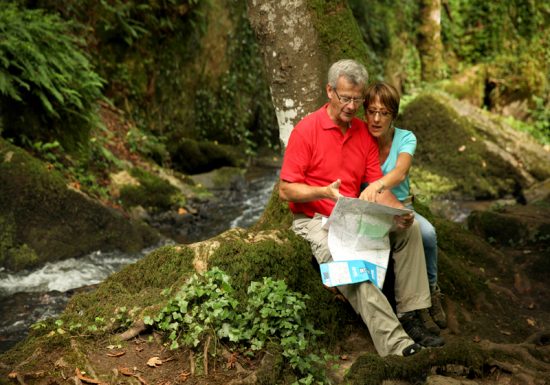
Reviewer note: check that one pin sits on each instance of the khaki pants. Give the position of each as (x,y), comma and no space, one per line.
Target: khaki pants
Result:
(411,284)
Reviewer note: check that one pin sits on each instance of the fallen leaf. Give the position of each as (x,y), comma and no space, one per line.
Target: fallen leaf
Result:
(13,375)
(183,376)
(231,361)
(116,354)
(125,371)
(182,211)
(531,322)
(154,362)
(461,148)
(81,377)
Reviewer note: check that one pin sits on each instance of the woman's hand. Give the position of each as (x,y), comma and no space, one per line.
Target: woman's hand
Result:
(372,190)
(404,221)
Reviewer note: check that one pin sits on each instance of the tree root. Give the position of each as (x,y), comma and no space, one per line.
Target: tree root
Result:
(135,330)
(527,361)
(522,351)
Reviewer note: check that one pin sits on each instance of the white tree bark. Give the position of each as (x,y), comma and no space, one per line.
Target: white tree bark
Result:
(295,64)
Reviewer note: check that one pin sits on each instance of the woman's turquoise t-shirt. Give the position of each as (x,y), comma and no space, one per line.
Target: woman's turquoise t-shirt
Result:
(403,141)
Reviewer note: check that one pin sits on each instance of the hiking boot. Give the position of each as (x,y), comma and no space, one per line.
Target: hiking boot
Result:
(411,349)
(436,311)
(428,322)
(415,329)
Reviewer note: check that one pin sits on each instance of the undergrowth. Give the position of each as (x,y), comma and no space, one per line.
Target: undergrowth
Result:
(206,306)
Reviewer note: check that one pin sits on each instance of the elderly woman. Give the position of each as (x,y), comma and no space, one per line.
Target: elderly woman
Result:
(396,149)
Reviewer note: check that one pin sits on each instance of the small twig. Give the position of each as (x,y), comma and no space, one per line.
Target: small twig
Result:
(191,363)
(206,347)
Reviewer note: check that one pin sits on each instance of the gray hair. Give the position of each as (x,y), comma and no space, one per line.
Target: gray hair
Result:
(353,71)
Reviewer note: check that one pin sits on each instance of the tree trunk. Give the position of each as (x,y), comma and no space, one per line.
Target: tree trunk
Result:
(430,45)
(299,39)
(293,59)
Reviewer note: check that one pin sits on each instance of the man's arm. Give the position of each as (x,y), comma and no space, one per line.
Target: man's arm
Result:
(300,192)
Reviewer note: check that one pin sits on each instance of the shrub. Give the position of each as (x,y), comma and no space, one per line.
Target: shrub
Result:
(48,89)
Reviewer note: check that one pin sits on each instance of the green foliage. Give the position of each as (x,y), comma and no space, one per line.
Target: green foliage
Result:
(237,109)
(478,30)
(48,89)
(388,29)
(206,305)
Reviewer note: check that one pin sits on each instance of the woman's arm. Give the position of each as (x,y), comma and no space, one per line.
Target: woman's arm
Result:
(398,174)
(391,179)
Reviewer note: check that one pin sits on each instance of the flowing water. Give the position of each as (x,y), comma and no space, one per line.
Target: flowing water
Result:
(30,296)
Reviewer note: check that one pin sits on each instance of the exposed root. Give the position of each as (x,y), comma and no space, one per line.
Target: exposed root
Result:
(134,331)
(520,351)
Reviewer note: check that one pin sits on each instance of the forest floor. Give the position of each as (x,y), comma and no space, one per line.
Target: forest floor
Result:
(145,359)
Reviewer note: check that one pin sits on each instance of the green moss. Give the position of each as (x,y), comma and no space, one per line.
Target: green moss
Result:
(451,148)
(469,85)
(339,43)
(458,250)
(137,285)
(289,259)
(371,369)
(21,257)
(498,227)
(152,192)
(193,157)
(276,214)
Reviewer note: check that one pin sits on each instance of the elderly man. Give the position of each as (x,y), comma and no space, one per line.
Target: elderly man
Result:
(331,153)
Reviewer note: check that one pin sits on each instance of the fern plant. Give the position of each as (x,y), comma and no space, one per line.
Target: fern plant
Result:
(48,88)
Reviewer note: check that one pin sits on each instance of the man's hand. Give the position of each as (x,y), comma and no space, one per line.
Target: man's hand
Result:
(333,190)
(404,221)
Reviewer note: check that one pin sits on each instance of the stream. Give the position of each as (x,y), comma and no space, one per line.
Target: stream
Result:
(27,297)
(31,296)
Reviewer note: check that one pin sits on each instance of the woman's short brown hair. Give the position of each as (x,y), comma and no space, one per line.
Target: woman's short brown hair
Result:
(387,94)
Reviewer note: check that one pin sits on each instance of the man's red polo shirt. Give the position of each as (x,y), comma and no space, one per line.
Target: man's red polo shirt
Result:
(318,154)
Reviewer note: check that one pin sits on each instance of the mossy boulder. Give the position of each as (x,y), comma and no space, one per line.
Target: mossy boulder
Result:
(150,191)
(193,157)
(45,220)
(463,152)
(514,224)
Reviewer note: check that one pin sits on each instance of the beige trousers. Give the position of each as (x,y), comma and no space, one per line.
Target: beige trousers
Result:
(411,284)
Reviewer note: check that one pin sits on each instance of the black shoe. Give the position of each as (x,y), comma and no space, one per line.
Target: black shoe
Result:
(411,349)
(415,329)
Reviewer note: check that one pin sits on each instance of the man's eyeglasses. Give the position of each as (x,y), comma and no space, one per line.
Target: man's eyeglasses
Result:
(383,114)
(347,99)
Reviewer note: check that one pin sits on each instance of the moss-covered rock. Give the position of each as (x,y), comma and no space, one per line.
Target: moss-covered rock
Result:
(151,192)
(194,157)
(44,220)
(469,154)
(514,225)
